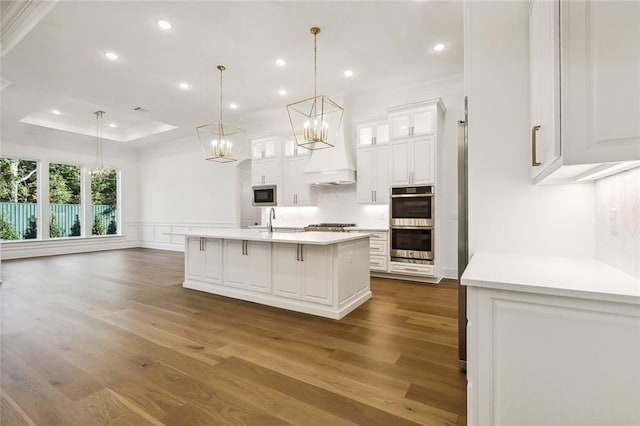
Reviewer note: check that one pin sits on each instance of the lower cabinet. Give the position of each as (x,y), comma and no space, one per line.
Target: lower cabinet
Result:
(248,265)
(551,358)
(378,251)
(203,260)
(303,272)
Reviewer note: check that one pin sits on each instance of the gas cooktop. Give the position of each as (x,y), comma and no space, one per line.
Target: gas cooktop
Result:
(329,227)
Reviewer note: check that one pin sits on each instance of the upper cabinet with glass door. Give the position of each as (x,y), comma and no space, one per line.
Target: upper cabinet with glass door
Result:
(291,149)
(264,148)
(412,120)
(584,88)
(373,133)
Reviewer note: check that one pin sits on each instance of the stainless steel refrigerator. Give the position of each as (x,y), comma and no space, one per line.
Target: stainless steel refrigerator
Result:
(463,232)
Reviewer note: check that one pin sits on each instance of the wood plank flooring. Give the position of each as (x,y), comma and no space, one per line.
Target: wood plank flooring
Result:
(113,338)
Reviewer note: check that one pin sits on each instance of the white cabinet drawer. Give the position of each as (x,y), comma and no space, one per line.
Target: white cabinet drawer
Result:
(412,269)
(378,248)
(378,263)
(378,236)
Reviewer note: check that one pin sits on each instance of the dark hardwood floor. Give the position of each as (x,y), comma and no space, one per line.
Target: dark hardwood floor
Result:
(113,338)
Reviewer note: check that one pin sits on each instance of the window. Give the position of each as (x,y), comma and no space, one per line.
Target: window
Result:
(64,201)
(104,202)
(18,199)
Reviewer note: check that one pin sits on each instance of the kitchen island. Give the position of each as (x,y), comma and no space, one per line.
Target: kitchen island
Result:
(319,273)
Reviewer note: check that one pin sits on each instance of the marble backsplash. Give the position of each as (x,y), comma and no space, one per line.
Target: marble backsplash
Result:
(618,221)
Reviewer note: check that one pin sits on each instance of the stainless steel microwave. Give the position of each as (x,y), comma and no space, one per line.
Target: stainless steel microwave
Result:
(265,196)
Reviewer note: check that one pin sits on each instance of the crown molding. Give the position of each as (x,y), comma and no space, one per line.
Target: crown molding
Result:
(18,18)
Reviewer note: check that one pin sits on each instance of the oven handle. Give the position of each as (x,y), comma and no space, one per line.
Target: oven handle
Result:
(411,195)
(410,227)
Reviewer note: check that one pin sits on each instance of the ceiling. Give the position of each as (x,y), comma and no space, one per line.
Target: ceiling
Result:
(60,63)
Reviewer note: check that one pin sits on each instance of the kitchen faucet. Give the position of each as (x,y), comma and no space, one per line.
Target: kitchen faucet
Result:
(272,215)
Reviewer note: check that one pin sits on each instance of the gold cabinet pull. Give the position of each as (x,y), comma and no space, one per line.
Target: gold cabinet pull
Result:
(534,131)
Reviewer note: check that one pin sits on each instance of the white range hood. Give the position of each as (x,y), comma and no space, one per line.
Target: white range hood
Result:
(332,166)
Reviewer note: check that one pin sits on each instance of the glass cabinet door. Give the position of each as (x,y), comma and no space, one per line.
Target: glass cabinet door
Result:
(256,149)
(423,122)
(270,148)
(365,136)
(400,126)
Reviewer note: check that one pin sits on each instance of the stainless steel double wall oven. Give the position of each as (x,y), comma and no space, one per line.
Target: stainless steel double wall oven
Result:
(411,223)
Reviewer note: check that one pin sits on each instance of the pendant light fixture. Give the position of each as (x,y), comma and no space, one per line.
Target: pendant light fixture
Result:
(315,121)
(99,167)
(220,141)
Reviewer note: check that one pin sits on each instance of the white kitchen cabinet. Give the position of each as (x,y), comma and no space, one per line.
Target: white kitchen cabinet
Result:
(373,133)
(378,251)
(203,260)
(585,80)
(303,271)
(413,161)
(295,191)
(551,341)
(265,161)
(544,71)
(248,265)
(373,175)
(265,172)
(413,121)
(291,149)
(264,148)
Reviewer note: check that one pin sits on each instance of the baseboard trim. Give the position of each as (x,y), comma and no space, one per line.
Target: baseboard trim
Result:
(450,273)
(25,249)
(405,277)
(162,246)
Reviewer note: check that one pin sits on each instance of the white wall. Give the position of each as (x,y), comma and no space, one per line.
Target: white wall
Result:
(180,190)
(618,221)
(53,146)
(507,213)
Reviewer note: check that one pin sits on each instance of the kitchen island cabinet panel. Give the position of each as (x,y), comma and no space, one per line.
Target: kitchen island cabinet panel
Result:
(248,265)
(317,269)
(203,260)
(286,268)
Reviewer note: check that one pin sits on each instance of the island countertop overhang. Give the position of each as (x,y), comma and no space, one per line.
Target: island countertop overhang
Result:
(314,238)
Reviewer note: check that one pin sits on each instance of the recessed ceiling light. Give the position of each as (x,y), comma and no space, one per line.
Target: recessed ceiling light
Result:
(111,56)
(165,25)
(233,106)
(185,85)
(55,112)
(439,47)
(113,125)
(280,62)
(348,73)
(282,92)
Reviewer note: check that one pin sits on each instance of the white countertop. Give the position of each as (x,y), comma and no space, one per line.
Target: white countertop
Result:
(348,229)
(572,277)
(316,238)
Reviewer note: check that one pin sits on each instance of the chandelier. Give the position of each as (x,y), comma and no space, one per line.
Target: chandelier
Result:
(99,167)
(220,141)
(315,121)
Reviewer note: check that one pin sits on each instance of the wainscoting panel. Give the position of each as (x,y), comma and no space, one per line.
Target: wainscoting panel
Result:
(157,234)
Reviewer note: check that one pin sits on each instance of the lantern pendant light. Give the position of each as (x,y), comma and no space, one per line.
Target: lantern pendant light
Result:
(220,141)
(99,167)
(315,121)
